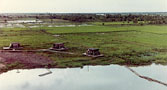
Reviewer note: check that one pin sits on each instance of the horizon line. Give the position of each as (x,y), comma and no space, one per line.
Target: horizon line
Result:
(80,12)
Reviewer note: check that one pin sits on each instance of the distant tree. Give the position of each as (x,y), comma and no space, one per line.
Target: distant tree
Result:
(135,21)
(36,17)
(5,21)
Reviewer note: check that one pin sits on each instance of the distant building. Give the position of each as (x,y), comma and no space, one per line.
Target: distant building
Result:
(13,46)
(93,52)
(58,47)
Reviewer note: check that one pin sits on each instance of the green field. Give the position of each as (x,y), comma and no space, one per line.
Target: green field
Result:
(132,45)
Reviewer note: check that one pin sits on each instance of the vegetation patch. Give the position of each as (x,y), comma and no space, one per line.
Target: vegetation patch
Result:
(124,45)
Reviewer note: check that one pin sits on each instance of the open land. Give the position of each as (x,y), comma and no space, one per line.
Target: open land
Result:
(123,43)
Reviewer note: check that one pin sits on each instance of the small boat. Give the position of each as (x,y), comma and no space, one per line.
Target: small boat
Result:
(44,74)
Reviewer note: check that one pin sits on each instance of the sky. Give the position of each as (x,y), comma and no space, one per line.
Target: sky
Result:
(81,6)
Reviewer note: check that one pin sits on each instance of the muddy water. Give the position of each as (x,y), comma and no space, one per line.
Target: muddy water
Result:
(25,21)
(34,24)
(111,77)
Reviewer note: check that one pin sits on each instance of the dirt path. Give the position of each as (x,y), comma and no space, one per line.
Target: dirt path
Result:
(39,50)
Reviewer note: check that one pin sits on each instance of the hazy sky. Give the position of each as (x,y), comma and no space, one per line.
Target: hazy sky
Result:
(82,6)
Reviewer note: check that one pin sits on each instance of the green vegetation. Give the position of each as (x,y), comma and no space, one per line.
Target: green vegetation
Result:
(119,23)
(132,45)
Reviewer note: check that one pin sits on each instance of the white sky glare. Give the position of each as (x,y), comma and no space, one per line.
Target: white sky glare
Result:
(82,6)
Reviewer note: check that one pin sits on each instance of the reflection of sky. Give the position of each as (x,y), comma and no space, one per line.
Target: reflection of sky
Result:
(96,78)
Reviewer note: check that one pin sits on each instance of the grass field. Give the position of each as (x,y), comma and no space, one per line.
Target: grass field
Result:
(132,45)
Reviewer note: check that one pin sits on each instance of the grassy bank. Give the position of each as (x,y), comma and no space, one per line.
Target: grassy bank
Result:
(132,45)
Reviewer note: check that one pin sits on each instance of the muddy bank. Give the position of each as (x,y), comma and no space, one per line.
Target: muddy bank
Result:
(12,60)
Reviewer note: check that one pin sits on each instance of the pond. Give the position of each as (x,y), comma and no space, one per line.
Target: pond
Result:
(24,21)
(33,24)
(112,77)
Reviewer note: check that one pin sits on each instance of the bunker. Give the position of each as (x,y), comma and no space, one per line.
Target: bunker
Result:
(58,47)
(93,52)
(13,46)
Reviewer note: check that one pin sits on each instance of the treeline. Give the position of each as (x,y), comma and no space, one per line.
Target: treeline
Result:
(149,19)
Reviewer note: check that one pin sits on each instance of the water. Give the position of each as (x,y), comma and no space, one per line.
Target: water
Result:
(24,21)
(89,78)
(33,24)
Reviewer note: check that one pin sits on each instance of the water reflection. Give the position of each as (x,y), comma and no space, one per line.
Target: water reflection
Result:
(111,77)
(146,77)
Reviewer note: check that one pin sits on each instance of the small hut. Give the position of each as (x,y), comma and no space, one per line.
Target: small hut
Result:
(93,52)
(13,46)
(58,47)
